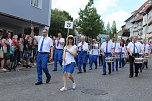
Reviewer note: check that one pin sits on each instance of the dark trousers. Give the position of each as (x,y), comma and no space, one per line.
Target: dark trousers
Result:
(100,59)
(104,63)
(133,66)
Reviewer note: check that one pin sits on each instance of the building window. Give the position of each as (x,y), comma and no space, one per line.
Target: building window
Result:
(36,3)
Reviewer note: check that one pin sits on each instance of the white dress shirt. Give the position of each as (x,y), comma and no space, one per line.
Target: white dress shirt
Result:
(59,46)
(146,48)
(10,41)
(95,49)
(116,47)
(104,44)
(69,58)
(85,46)
(123,49)
(137,47)
(48,43)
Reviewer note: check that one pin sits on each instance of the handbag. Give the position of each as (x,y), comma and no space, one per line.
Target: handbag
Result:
(6,56)
(1,54)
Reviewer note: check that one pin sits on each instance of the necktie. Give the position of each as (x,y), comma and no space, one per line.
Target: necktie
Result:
(58,42)
(82,47)
(41,47)
(121,49)
(115,47)
(134,49)
(107,47)
(144,48)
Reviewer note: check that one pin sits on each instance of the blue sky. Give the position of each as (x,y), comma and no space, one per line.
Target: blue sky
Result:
(110,10)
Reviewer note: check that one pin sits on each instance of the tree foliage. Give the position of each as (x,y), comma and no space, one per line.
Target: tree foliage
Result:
(114,28)
(89,21)
(58,19)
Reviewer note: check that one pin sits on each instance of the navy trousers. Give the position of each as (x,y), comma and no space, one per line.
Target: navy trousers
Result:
(104,63)
(82,60)
(57,57)
(41,64)
(93,59)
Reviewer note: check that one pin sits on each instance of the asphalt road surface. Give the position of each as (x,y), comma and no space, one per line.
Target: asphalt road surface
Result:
(91,86)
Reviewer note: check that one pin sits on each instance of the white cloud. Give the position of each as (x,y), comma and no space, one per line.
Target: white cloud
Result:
(119,17)
(73,7)
(103,5)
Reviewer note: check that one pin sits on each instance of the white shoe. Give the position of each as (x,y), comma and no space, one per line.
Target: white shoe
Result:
(74,85)
(5,70)
(63,89)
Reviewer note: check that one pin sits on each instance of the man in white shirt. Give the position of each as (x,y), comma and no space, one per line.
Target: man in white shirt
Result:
(106,48)
(59,44)
(45,43)
(133,48)
(116,51)
(146,49)
(82,54)
(94,54)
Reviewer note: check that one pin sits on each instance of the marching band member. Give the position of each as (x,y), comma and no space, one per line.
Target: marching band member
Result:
(59,44)
(100,52)
(70,51)
(122,51)
(133,49)
(106,48)
(146,49)
(94,54)
(45,44)
(82,54)
(140,42)
(115,50)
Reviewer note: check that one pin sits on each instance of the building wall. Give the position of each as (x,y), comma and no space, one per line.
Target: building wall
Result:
(24,10)
(129,26)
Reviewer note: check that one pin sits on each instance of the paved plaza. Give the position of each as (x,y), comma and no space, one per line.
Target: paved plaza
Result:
(91,86)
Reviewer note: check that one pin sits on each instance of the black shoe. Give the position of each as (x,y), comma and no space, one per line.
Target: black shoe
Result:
(79,72)
(130,76)
(96,68)
(136,75)
(119,67)
(24,65)
(48,79)
(54,70)
(84,71)
(38,83)
(113,70)
(29,66)
(104,74)
(116,69)
(109,72)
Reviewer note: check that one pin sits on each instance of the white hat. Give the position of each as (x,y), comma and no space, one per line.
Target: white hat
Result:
(70,36)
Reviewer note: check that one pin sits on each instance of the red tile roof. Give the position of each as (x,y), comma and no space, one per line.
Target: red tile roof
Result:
(137,11)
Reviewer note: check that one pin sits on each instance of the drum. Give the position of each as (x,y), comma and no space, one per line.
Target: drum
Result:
(109,59)
(125,56)
(139,60)
(117,56)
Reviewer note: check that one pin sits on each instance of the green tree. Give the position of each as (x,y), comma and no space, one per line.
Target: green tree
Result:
(114,29)
(58,19)
(89,21)
(103,29)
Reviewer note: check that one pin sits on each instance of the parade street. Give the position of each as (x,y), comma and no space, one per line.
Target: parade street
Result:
(91,86)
